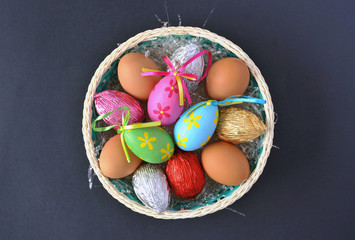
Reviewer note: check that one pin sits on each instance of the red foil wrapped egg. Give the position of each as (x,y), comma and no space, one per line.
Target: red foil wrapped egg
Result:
(185,174)
(109,100)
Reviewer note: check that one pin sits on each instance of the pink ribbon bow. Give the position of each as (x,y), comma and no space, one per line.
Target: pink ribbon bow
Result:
(178,74)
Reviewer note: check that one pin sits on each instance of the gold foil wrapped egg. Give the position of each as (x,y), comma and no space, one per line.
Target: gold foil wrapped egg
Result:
(236,125)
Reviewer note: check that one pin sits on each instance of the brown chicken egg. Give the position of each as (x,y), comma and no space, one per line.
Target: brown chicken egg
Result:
(113,162)
(225,163)
(227,77)
(129,74)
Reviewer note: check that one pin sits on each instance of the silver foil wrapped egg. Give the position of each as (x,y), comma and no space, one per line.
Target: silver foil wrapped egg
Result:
(151,187)
(184,53)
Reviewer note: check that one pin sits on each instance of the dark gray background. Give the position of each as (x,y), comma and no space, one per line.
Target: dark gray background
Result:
(49,51)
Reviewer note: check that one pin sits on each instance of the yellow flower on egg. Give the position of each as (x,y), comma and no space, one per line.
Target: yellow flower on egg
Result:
(168,151)
(192,121)
(208,138)
(147,141)
(215,121)
(181,141)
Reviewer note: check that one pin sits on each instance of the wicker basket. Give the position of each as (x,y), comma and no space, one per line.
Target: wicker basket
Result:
(223,201)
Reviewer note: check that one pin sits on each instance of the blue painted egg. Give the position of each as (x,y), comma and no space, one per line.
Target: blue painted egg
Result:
(195,128)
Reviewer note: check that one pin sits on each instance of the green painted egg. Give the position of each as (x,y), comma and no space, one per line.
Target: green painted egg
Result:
(151,144)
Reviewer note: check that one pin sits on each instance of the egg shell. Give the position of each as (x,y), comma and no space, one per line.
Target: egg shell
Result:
(129,74)
(164,102)
(227,77)
(225,163)
(194,130)
(151,144)
(113,162)
(109,100)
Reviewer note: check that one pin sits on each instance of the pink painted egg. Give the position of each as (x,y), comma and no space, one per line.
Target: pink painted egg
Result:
(109,100)
(164,103)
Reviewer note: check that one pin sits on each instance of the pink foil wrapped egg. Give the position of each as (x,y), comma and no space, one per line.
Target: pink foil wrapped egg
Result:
(109,100)
(163,101)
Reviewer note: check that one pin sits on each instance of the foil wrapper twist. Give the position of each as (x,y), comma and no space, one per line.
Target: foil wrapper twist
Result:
(151,187)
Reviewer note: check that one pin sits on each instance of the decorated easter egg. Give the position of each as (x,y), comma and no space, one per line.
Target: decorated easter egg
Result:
(182,55)
(167,99)
(195,128)
(151,187)
(163,102)
(129,69)
(151,144)
(109,100)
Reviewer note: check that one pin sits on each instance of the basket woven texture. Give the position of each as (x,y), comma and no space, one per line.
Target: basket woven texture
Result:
(218,204)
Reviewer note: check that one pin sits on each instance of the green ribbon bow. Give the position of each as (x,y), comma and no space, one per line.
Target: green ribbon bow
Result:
(124,127)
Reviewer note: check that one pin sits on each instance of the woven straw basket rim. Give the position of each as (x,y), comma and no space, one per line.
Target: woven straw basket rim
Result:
(151,35)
